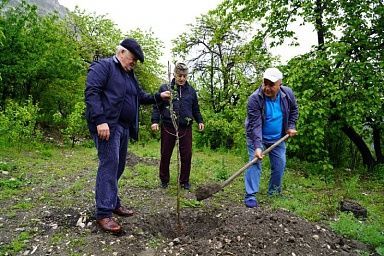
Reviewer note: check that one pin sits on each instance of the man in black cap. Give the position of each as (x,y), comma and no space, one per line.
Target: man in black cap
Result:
(113,97)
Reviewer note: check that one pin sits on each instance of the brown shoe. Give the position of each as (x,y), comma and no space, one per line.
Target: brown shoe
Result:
(108,224)
(122,211)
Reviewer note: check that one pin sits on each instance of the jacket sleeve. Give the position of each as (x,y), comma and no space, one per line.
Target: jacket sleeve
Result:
(155,118)
(254,121)
(196,109)
(147,98)
(293,111)
(96,82)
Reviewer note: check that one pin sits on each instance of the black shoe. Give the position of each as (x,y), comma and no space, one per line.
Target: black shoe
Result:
(164,184)
(186,185)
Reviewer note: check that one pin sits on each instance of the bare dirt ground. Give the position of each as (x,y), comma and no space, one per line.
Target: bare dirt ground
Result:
(225,229)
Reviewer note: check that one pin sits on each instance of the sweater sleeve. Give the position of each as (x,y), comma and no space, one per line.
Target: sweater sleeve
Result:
(155,118)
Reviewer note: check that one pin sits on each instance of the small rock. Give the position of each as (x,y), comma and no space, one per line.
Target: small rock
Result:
(291,239)
(219,245)
(316,237)
(34,248)
(274,218)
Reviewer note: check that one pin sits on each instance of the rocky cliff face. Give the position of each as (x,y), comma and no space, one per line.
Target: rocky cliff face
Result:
(44,6)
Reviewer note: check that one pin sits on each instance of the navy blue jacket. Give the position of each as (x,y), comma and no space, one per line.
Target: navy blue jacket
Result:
(185,105)
(256,114)
(106,87)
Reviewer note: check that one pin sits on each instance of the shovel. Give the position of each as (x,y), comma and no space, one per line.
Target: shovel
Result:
(210,189)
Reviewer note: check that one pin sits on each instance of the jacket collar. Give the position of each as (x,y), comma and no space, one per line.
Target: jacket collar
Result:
(117,62)
(173,84)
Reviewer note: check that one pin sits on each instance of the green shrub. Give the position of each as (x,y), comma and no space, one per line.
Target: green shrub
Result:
(218,133)
(76,124)
(18,123)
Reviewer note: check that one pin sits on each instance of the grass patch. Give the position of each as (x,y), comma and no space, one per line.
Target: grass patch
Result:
(17,244)
(367,232)
(23,206)
(59,176)
(143,176)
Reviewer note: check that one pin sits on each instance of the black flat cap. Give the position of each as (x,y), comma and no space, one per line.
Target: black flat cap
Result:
(134,47)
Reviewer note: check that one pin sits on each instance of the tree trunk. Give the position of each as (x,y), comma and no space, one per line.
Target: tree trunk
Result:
(377,144)
(366,154)
(319,23)
(211,86)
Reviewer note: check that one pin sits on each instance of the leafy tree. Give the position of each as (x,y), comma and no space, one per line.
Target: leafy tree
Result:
(224,60)
(340,83)
(38,59)
(96,35)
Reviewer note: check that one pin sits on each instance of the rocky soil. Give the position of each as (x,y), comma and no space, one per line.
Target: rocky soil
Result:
(213,229)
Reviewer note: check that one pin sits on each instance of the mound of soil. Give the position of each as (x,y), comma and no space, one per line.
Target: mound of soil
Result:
(240,231)
(227,230)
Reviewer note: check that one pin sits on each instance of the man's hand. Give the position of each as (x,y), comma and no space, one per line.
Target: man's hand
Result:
(291,132)
(259,153)
(155,127)
(103,131)
(166,95)
(201,127)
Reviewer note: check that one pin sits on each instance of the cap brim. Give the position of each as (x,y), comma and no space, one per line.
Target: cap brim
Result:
(272,79)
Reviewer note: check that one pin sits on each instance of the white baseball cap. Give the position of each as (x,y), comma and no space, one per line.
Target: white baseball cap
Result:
(272,74)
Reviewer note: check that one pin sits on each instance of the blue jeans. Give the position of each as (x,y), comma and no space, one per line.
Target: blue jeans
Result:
(112,156)
(277,161)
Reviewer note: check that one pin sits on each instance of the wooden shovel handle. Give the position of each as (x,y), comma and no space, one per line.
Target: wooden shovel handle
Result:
(254,160)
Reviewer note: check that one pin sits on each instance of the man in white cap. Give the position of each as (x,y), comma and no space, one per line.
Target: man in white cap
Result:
(272,112)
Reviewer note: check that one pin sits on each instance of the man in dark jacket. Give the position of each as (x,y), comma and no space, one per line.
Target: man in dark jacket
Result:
(186,108)
(112,97)
(272,112)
